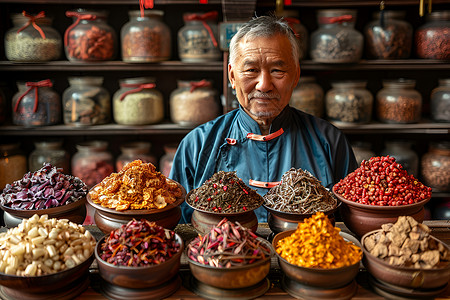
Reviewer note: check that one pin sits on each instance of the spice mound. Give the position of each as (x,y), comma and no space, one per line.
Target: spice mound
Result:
(224,192)
(407,243)
(316,243)
(42,189)
(139,244)
(299,192)
(382,181)
(137,186)
(41,246)
(228,245)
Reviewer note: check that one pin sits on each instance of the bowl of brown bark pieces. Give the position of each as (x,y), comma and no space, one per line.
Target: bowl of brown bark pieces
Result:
(404,257)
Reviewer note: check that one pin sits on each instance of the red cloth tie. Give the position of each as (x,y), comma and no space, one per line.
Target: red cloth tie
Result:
(79,18)
(32,21)
(145,4)
(332,20)
(138,88)
(198,84)
(35,85)
(203,18)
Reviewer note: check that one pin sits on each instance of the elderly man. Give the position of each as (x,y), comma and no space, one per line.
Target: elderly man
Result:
(264,137)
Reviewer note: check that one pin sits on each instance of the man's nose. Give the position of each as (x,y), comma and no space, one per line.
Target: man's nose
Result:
(264,82)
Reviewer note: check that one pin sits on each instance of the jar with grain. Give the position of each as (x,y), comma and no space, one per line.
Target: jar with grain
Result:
(92,162)
(388,36)
(52,152)
(138,102)
(146,38)
(403,154)
(440,101)
(300,31)
(36,104)
(32,39)
(13,164)
(308,96)
(197,39)
(86,102)
(349,102)
(336,40)
(89,38)
(436,166)
(432,38)
(194,102)
(399,102)
(166,161)
(135,150)
(362,150)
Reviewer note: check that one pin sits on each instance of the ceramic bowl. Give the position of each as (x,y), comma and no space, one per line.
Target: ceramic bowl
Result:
(66,284)
(139,277)
(362,218)
(236,277)
(315,277)
(279,221)
(75,212)
(108,219)
(412,278)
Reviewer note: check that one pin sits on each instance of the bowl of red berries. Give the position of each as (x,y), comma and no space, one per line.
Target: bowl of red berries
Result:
(378,192)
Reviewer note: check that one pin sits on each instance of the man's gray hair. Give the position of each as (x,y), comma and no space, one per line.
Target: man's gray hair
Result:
(264,26)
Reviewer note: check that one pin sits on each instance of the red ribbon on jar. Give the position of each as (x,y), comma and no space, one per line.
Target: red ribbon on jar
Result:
(79,18)
(145,4)
(198,84)
(35,85)
(137,88)
(32,21)
(332,20)
(203,17)
(292,21)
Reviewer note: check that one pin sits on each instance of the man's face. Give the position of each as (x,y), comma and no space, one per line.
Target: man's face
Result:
(264,75)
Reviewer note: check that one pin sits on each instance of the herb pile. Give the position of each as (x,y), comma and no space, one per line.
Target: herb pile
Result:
(224,192)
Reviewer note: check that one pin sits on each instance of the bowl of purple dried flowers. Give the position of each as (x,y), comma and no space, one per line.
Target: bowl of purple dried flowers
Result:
(46,191)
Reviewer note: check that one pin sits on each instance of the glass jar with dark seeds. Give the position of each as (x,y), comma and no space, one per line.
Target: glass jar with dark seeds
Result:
(436,166)
(440,101)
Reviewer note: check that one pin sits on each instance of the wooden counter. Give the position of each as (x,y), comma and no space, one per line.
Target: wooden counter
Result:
(440,229)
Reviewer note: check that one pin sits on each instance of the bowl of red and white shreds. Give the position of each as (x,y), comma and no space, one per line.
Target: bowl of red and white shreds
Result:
(378,192)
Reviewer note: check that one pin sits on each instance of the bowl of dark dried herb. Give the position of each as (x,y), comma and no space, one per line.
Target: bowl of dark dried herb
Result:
(223,195)
(298,196)
(230,256)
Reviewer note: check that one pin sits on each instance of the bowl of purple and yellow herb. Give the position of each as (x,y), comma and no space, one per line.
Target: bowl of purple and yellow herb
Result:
(46,191)
(229,257)
(139,254)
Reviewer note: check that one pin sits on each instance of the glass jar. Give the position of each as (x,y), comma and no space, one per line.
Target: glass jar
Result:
(2,107)
(399,102)
(389,36)
(27,111)
(138,102)
(92,162)
(336,40)
(307,96)
(13,164)
(89,38)
(349,102)
(86,102)
(194,102)
(197,39)
(166,161)
(133,151)
(440,101)
(147,38)
(24,42)
(300,31)
(362,150)
(432,38)
(403,154)
(436,166)
(49,152)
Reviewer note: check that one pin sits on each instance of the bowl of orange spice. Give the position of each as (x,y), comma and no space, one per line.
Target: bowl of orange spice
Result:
(316,260)
(138,191)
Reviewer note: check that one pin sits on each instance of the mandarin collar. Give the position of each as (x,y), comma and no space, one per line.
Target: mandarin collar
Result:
(251,126)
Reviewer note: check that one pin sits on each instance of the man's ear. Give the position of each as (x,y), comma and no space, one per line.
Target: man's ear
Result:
(231,76)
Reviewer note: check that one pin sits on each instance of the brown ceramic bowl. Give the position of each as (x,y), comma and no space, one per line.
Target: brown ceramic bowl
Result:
(66,284)
(412,278)
(235,277)
(108,219)
(315,277)
(362,218)
(280,221)
(139,277)
(75,212)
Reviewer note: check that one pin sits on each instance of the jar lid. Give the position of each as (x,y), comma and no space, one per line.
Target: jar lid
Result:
(390,14)
(194,83)
(443,15)
(52,144)
(306,79)
(442,145)
(137,80)
(86,80)
(139,147)
(401,82)
(349,83)
(19,19)
(200,16)
(8,147)
(98,13)
(92,145)
(324,16)
(147,13)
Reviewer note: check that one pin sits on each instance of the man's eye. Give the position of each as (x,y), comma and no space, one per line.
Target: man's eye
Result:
(277,71)
(250,70)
